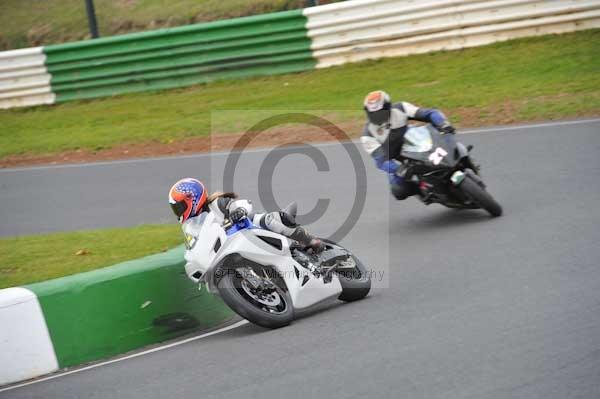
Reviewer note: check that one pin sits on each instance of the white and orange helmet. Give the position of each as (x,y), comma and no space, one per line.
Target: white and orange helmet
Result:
(378,106)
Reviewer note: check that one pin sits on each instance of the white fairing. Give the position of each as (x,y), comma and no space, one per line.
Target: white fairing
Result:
(202,257)
(201,235)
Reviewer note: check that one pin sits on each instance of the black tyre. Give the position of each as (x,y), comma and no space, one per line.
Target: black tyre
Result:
(480,196)
(354,277)
(273,312)
(356,282)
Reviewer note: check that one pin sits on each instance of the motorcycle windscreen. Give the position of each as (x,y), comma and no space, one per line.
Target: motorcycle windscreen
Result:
(417,139)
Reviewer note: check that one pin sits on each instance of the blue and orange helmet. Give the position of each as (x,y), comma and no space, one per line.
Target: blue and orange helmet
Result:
(187,198)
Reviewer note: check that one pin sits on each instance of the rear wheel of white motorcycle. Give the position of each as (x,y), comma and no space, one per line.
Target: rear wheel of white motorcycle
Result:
(480,196)
(272,310)
(354,278)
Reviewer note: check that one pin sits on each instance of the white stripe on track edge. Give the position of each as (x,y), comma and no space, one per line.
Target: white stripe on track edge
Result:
(133,355)
(531,126)
(323,144)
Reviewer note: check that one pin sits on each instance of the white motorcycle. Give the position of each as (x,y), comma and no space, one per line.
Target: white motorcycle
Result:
(264,276)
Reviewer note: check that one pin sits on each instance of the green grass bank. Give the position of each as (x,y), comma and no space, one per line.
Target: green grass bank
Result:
(548,77)
(40,257)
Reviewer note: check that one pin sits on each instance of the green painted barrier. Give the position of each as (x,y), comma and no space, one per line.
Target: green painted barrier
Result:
(177,57)
(110,311)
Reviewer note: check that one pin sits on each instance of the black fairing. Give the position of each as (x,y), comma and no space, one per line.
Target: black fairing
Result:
(435,166)
(455,150)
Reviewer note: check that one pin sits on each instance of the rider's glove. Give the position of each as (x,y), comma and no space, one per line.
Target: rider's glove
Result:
(389,166)
(447,129)
(238,214)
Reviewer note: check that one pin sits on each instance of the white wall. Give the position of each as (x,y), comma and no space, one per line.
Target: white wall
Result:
(26,350)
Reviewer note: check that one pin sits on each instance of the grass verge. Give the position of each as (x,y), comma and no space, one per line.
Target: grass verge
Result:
(39,257)
(27,23)
(549,77)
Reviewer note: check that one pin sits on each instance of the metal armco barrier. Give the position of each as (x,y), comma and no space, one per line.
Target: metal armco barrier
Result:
(24,79)
(369,29)
(178,57)
(276,43)
(167,58)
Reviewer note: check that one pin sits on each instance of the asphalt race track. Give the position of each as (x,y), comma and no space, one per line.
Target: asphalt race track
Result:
(465,306)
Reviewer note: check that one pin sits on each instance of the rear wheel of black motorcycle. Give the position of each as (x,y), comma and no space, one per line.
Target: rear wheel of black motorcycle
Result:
(480,196)
(232,291)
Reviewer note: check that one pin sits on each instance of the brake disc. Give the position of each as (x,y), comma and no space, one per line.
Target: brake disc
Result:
(270,299)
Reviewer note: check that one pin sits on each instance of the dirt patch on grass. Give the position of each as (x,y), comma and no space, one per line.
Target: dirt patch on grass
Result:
(274,137)
(501,114)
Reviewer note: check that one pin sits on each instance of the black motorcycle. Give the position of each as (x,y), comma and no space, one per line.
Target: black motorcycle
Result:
(444,171)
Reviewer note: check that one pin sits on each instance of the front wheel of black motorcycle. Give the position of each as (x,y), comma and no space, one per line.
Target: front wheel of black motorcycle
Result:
(480,196)
(270,309)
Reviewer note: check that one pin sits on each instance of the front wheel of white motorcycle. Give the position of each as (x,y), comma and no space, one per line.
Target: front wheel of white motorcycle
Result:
(260,302)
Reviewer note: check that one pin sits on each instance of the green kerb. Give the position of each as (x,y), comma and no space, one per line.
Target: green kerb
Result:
(110,311)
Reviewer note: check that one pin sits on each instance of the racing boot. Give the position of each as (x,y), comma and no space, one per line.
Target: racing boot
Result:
(301,235)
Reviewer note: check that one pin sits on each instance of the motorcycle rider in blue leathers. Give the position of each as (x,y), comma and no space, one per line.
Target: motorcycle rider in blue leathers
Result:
(383,136)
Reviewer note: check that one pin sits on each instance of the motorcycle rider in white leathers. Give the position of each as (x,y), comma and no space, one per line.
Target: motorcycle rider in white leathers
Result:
(188,198)
(383,136)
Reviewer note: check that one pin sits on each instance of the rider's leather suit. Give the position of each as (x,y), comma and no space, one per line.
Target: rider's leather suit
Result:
(282,222)
(384,143)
